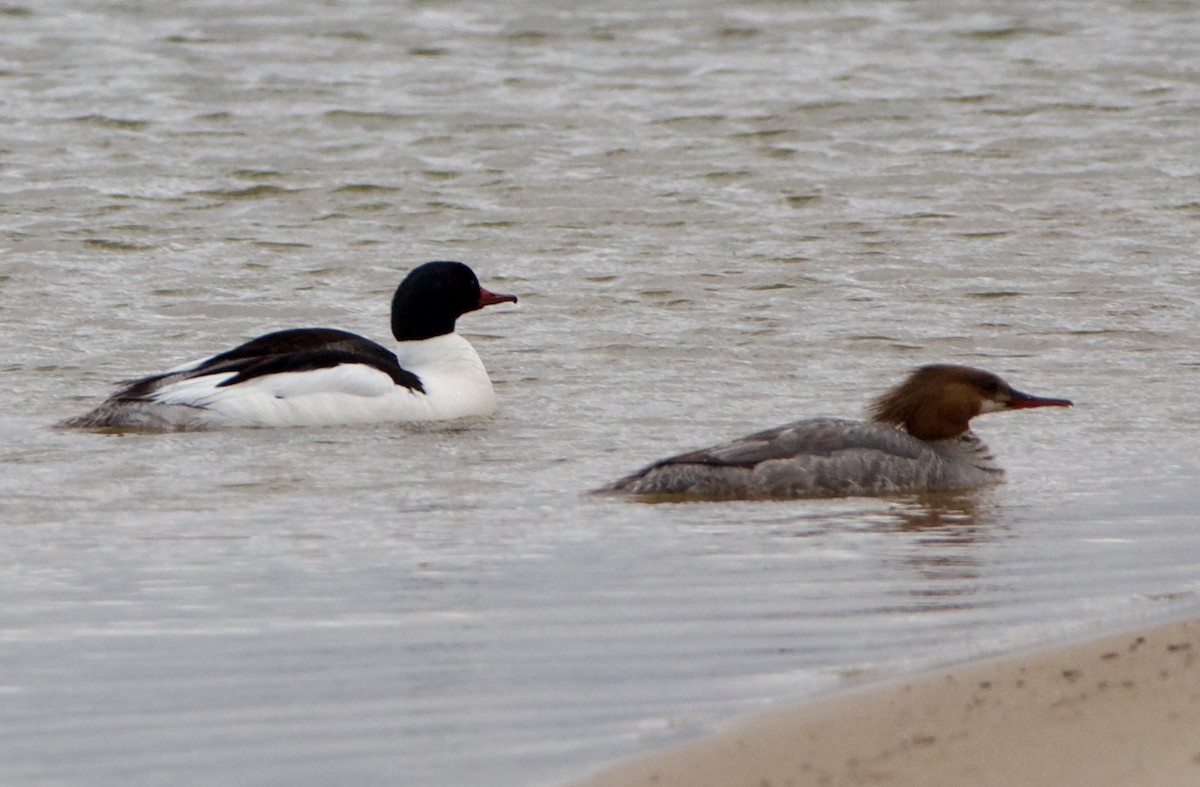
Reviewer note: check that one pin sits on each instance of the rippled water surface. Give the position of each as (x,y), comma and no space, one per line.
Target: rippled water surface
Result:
(719,217)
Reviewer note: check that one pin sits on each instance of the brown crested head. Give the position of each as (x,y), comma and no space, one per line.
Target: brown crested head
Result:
(937,402)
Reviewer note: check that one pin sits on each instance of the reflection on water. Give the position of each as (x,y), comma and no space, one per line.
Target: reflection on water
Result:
(965,512)
(951,525)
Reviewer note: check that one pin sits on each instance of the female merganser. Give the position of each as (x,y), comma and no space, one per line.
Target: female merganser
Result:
(918,439)
(325,376)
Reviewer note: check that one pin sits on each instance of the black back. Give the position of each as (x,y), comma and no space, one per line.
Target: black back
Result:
(292,350)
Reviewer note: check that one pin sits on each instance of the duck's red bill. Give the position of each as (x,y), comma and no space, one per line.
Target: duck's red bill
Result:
(489,298)
(1022,401)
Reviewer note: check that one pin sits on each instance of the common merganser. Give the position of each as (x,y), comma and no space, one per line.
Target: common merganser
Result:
(918,439)
(326,376)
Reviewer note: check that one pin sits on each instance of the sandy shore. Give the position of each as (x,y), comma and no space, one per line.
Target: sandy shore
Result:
(1121,711)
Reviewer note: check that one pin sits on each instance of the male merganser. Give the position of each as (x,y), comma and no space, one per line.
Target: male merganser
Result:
(325,376)
(918,439)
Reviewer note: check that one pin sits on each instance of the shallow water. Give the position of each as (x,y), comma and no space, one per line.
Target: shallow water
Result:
(719,217)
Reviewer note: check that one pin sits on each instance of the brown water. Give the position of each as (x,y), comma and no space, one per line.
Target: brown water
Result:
(719,217)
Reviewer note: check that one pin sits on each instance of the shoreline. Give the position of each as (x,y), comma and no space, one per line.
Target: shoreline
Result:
(1115,711)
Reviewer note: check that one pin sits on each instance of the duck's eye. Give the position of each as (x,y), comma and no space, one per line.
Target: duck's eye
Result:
(991,388)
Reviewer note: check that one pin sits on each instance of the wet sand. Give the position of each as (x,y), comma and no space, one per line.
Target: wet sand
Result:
(1119,711)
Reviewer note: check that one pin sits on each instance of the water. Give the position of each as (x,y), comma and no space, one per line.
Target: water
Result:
(719,217)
